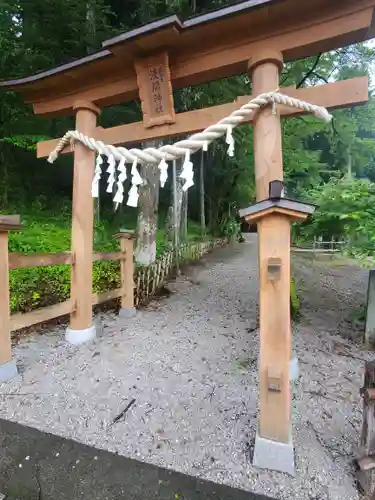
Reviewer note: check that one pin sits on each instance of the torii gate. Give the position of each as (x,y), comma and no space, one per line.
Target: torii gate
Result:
(256,36)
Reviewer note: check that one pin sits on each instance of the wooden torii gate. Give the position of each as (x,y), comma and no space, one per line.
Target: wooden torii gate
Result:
(256,36)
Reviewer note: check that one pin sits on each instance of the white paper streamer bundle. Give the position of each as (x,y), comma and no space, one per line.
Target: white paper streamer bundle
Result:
(163,167)
(97,176)
(111,170)
(187,172)
(136,181)
(121,168)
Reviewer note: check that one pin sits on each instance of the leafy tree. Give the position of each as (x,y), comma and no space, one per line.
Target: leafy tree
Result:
(345,210)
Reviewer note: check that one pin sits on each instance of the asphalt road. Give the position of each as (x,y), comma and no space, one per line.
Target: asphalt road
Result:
(39,466)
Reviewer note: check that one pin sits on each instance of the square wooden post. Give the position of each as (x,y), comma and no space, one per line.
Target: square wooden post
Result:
(273,445)
(127,309)
(8,367)
(81,325)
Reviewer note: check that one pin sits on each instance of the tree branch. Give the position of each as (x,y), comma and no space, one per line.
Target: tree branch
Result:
(320,77)
(310,71)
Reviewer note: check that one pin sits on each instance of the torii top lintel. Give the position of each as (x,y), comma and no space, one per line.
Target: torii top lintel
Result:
(201,49)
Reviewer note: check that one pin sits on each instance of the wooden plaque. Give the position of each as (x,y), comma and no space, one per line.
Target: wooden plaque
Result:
(155,90)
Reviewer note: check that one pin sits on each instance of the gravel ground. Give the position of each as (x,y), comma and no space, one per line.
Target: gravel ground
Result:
(190,363)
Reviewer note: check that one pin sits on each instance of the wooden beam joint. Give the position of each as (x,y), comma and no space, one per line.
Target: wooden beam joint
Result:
(82,104)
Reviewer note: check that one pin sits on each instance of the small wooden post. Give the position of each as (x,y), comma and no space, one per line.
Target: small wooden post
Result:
(126,238)
(273,445)
(332,246)
(81,324)
(8,367)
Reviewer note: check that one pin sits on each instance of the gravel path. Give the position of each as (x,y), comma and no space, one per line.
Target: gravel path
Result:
(190,363)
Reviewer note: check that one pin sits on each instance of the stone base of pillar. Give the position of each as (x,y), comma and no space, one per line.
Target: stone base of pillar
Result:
(8,370)
(77,337)
(274,455)
(127,312)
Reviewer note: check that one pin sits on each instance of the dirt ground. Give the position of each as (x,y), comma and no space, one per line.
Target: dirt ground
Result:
(333,293)
(187,365)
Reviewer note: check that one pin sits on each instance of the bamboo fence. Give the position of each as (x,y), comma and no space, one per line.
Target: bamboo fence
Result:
(149,279)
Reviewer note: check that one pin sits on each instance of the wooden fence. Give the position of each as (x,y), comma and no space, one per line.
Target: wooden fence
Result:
(319,246)
(134,289)
(19,321)
(145,281)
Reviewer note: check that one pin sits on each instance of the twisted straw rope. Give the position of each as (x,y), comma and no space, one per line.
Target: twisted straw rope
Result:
(195,141)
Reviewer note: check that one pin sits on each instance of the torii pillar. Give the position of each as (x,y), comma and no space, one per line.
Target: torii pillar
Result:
(273,445)
(81,328)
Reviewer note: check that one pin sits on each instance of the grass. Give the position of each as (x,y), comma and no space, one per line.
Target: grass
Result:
(244,364)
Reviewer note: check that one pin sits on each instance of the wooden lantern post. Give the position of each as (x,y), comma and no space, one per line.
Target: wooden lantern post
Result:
(8,367)
(127,238)
(81,325)
(273,446)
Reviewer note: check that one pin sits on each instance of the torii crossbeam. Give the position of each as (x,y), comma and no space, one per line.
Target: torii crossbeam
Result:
(339,94)
(256,36)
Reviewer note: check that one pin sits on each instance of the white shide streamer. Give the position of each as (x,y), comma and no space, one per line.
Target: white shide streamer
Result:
(136,181)
(121,168)
(187,172)
(97,176)
(111,170)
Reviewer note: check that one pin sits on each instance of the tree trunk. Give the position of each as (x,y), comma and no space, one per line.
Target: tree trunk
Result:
(184,216)
(350,173)
(171,221)
(147,223)
(90,26)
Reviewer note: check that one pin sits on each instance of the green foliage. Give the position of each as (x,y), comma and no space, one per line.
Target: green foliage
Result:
(245,364)
(230,227)
(295,303)
(38,287)
(346,210)
(49,231)
(27,142)
(105,276)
